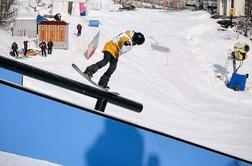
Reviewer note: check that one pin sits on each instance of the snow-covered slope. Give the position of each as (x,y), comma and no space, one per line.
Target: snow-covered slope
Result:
(8,159)
(173,75)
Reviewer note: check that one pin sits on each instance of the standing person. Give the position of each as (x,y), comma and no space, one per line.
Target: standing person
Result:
(42,45)
(119,45)
(79,27)
(14,48)
(50,46)
(25,47)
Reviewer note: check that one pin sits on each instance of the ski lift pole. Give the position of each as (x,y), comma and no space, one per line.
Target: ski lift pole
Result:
(231,12)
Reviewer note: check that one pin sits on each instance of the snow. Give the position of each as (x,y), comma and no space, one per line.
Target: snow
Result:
(9,159)
(26,17)
(173,75)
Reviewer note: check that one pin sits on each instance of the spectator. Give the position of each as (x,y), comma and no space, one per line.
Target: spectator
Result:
(79,27)
(42,45)
(14,48)
(50,46)
(25,47)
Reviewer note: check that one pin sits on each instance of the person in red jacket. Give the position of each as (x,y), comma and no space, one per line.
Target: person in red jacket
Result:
(79,27)
(25,47)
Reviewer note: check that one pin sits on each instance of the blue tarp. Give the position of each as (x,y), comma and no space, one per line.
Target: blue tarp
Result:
(94,23)
(40,19)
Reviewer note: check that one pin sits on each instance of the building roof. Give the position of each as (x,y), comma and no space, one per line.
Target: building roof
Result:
(22,17)
(53,23)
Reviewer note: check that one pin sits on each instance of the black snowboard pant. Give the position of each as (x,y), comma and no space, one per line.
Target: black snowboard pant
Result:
(25,51)
(108,57)
(49,50)
(15,53)
(43,51)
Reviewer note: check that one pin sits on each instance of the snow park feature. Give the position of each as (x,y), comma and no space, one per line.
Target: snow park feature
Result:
(175,80)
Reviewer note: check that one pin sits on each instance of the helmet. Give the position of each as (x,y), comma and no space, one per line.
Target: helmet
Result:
(138,38)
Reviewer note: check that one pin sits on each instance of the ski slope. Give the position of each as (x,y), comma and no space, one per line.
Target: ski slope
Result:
(173,75)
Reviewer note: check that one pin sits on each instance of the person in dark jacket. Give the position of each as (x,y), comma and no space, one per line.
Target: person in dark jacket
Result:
(79,27)
(14,48)
(49,46)
(42,45)
(25,47)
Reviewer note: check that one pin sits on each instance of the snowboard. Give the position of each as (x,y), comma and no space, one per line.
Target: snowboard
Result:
(90,80)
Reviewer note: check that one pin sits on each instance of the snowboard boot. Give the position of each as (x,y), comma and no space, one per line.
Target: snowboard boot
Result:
(88,73)
(104,86)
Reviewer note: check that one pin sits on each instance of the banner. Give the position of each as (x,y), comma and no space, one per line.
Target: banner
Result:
(92,46)
(70,7)
(82,8)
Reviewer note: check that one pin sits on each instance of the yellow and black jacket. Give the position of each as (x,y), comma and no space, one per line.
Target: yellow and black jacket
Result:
(120,44)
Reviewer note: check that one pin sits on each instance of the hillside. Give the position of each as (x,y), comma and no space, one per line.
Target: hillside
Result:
(173,75)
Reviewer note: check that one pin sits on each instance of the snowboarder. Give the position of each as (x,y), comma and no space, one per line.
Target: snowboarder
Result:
(25,47)
(119,45)
(49,46)
(79,27)
(14,48)
(42,45)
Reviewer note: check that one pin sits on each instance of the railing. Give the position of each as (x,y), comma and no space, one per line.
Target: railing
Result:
(103,97)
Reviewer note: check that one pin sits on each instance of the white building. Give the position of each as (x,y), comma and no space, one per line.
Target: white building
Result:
(224,7)
(25,25)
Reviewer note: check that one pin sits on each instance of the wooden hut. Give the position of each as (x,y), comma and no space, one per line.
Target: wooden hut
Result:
(57,31)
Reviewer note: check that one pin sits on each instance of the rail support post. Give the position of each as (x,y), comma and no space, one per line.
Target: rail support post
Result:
(101,104)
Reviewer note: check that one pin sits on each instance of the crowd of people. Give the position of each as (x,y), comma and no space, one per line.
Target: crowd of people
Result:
(46,48)
(43,46)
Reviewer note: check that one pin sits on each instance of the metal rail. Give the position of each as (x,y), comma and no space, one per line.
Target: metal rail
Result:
(103,97)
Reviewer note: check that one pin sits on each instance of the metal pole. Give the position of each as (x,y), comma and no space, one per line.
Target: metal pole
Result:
(231,13)
(101,104)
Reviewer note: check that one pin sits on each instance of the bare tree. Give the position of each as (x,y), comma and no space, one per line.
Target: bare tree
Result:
(7,10)
(244,23)
(248,13)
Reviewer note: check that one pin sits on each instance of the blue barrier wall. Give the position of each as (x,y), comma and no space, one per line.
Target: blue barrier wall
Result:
(43,129)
